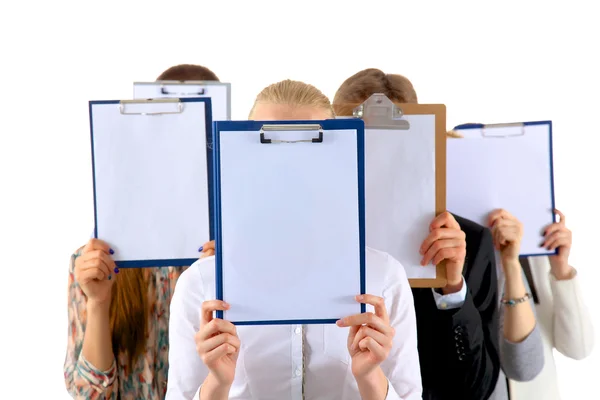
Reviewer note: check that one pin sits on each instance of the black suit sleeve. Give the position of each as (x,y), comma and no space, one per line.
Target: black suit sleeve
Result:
(470,339)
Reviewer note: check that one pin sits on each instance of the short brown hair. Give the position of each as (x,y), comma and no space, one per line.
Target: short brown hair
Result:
(188,72)
(360,86)
(293,93)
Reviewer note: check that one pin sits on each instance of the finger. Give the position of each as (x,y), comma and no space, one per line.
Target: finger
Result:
(215,327)
(376,302)
(440,245)
(207,253)
(374,347)
(379,337)
(555,236)
(444,219)
(207,246)
(561,242)
(360,335)
(210,306)
(367,318)
(562,217)
(453,254)
(97,263)
(440,234)
(90,275)
(97,244)
(552,228)
(498,214)
(211,343)
(222,350)
(352,334)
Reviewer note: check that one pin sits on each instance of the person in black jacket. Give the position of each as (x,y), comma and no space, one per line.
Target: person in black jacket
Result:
(457,326)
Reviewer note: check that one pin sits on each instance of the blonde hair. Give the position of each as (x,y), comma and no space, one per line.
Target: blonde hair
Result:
(293,93)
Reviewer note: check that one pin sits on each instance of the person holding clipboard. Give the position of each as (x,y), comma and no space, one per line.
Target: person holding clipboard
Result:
(209,357)
(457,328)
(118,320)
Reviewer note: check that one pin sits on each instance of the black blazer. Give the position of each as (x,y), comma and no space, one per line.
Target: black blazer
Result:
(458,349)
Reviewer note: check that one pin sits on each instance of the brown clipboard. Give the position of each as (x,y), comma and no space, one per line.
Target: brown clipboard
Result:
(395,116)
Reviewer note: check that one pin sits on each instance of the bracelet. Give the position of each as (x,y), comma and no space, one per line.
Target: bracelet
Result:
(514,302)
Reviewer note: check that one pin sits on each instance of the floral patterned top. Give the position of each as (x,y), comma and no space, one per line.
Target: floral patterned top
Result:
(148,379)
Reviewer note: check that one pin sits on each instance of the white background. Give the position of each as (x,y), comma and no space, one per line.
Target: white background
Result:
(512,61)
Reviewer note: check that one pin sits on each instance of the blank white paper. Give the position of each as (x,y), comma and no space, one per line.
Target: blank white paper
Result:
(400,191)
(505,170)
(290,226)
(219,94)
(151,186)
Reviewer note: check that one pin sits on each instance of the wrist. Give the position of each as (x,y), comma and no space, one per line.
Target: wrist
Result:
(212,389)
(511,266)
(453,287)
(562,271)
(97,308)
(373,385)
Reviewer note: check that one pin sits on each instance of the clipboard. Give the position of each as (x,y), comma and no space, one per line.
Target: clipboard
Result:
(514,171)
(151,169)
(218,92)
(405,169)
(289,221)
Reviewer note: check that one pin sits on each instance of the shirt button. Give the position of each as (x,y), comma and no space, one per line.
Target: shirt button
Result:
(298,330)
(298,372)
(443,306)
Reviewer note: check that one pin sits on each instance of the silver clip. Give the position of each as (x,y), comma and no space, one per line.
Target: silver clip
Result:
(379,112)
(487,130)
(291,128)
(175,104)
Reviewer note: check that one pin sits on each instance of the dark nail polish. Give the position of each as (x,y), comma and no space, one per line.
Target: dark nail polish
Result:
(111,251)
(116,270)
(200,249)
(109,277)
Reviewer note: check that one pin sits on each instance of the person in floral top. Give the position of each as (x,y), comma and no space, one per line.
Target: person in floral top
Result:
(118,320)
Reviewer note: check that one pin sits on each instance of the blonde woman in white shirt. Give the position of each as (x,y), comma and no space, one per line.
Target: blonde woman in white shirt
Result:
(366,356)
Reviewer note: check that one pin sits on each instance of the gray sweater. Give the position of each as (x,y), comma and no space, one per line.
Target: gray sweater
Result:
(519,361)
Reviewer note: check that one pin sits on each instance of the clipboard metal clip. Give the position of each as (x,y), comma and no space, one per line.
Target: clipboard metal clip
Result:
(508,130)
(147,107)
(166,84)
(379,112)
(291,128)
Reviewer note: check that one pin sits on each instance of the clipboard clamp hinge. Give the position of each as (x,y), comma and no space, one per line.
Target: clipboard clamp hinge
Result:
(290,128)
(379,112)
(147,106)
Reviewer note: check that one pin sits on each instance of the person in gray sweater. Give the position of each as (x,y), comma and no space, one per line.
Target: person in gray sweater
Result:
(521,345)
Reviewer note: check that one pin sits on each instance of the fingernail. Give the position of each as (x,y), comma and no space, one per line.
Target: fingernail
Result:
(339,322)
(200,249)
(359,297)
(111,251)
(116,270)
(109,277)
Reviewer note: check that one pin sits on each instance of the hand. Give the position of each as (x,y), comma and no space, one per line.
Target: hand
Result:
(446,241)
(507,232)
(208,249)
(94,271)
(217,343)
(370,338)
(558,236)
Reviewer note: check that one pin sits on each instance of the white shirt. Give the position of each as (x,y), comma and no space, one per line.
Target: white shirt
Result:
(270,362)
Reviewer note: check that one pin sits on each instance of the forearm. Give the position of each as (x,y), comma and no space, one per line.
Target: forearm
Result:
(97,341)
(519,320)
(212,390)
(374,386)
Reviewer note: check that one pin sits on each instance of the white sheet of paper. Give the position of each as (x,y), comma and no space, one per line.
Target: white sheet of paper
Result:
(219,93)
(151,186)
(400,191)
(509,171)
(290,226)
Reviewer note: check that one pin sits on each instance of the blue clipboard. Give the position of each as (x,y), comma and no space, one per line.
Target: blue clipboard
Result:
(172,261)
(524,125)
(247,127)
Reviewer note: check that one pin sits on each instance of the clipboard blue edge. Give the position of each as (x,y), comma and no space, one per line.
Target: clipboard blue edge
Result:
(181,262)
(551,154)
(330,124)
